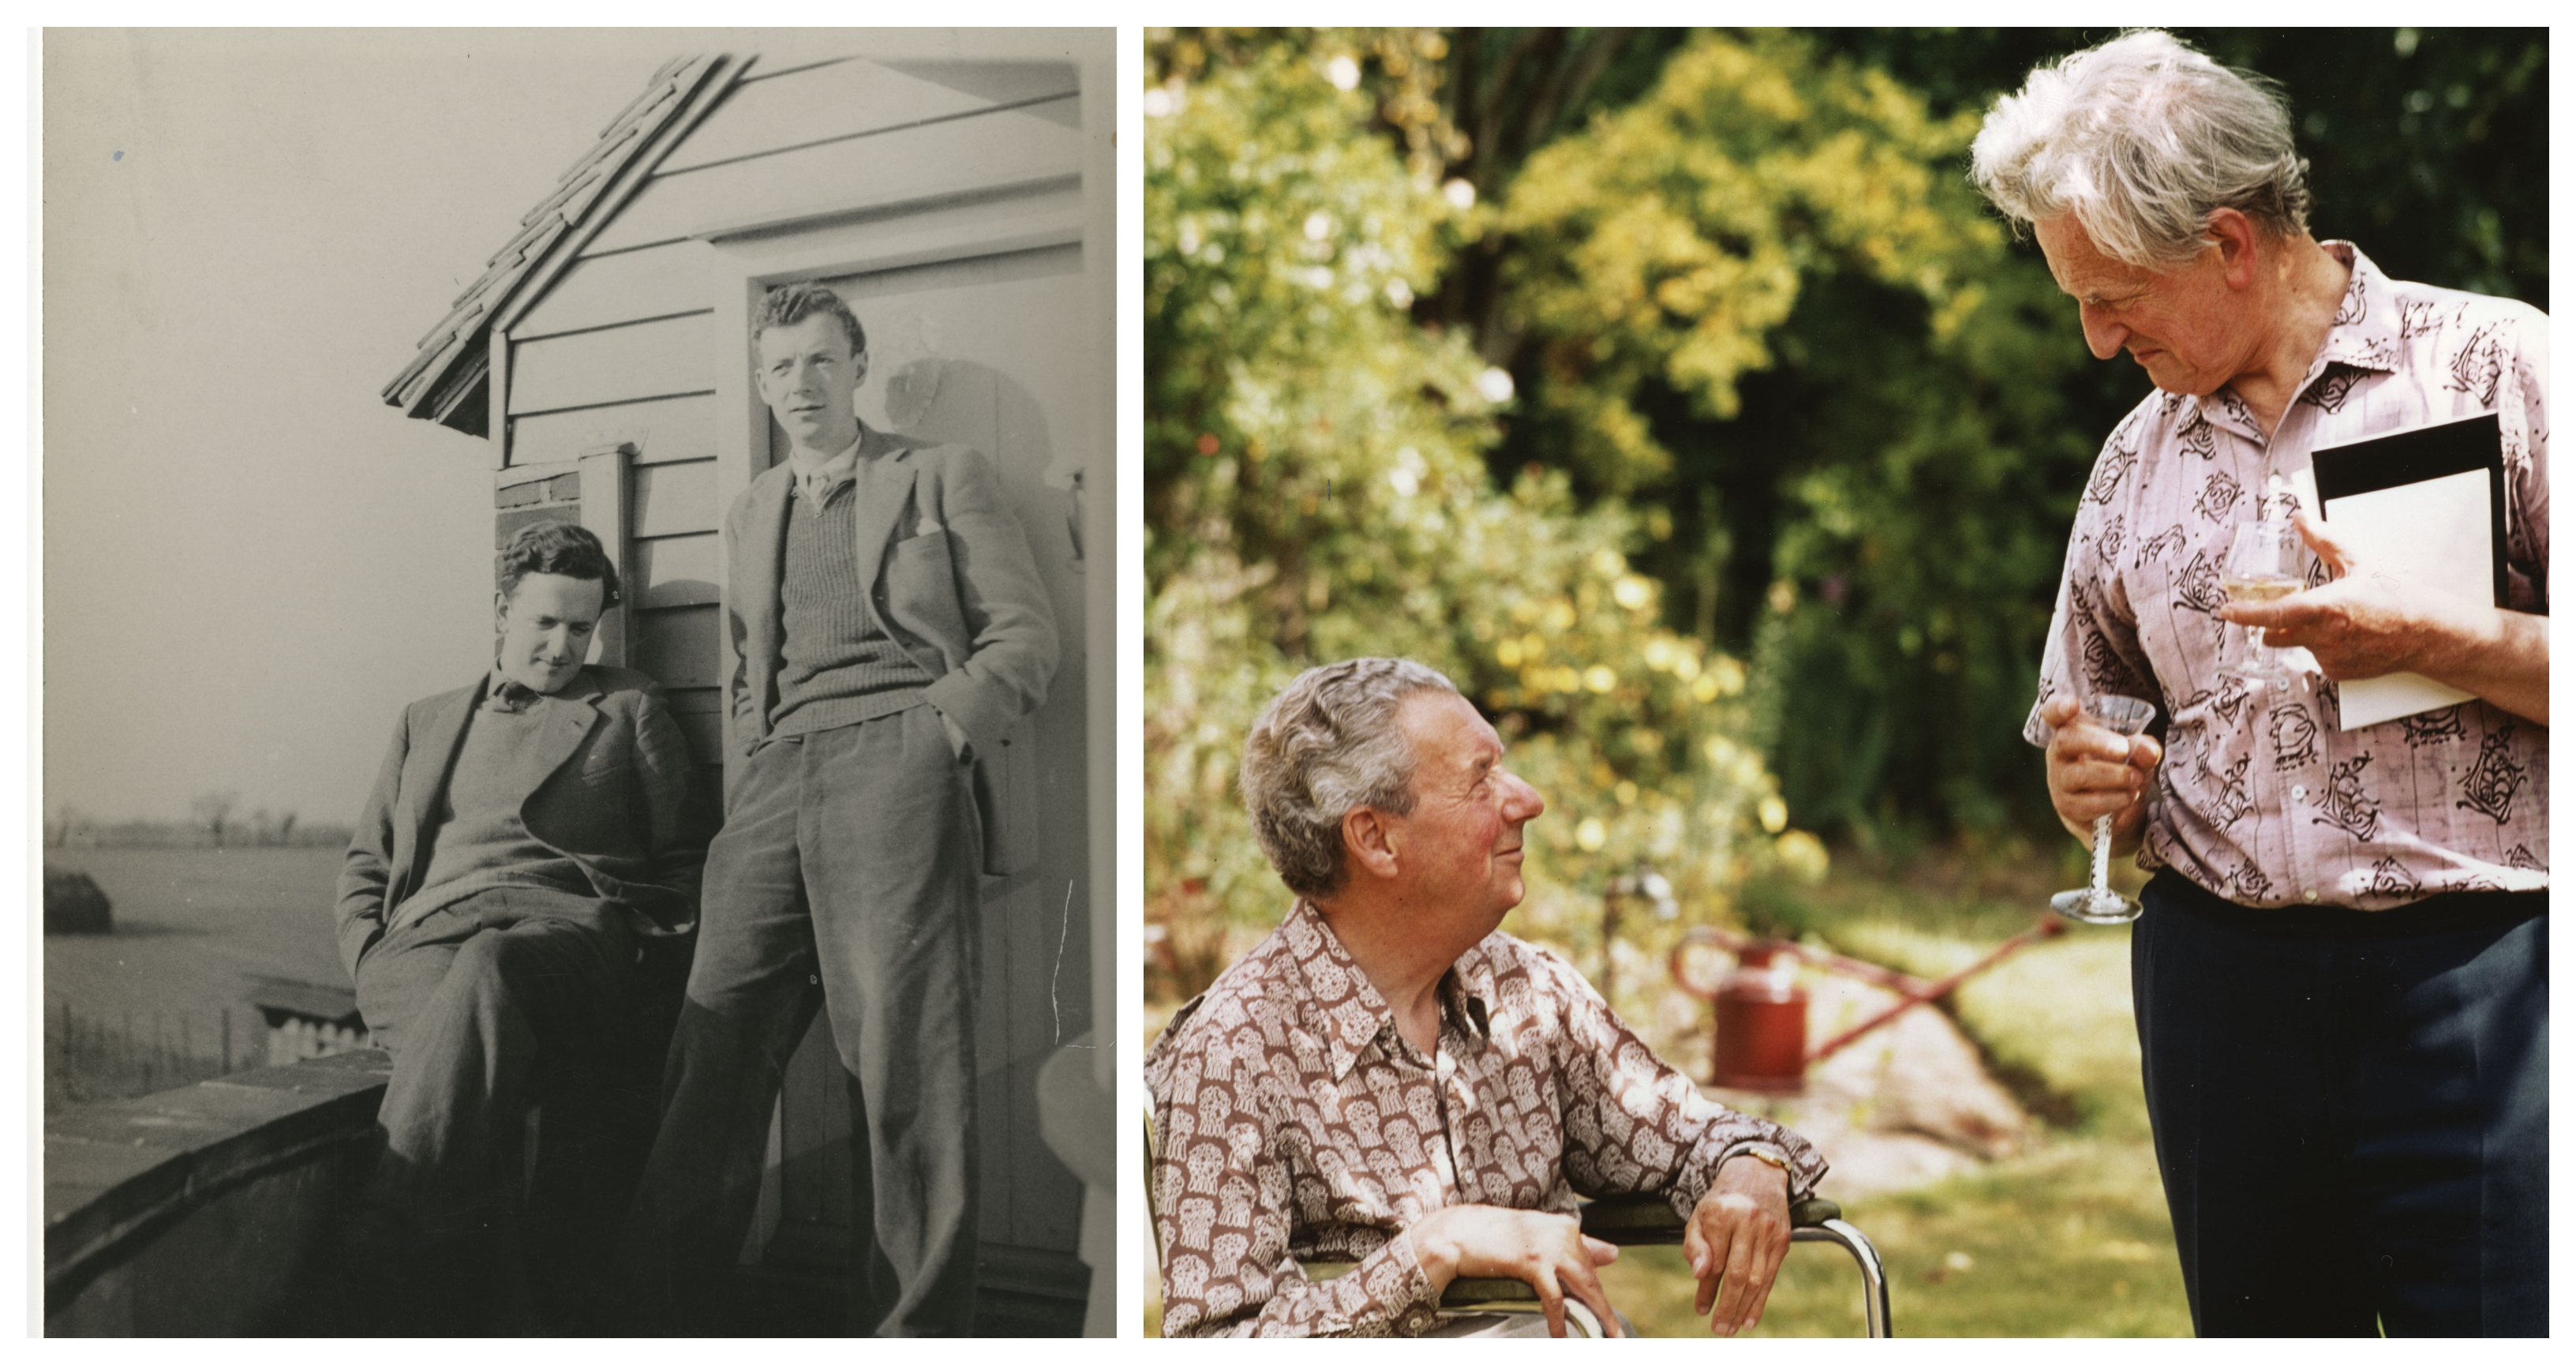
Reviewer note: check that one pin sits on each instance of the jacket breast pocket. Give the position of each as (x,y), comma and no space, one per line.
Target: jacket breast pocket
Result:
(605,773)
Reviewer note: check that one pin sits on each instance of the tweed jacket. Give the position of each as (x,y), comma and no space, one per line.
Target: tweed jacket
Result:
(949,576)
(608,786)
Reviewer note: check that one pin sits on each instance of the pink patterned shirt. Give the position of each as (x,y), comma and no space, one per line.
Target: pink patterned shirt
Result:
(1294,1122)
(2262,798)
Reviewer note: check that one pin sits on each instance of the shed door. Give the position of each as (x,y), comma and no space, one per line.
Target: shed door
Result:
(990,352)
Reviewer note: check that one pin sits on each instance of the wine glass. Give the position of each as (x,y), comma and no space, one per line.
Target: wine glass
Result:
(2262,566)
(2098,903)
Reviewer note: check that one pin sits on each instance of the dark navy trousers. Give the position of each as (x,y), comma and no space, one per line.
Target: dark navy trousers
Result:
(2351,1110)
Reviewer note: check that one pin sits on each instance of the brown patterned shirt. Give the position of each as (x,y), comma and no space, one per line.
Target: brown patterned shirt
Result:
(1295,1123)
(2263,797)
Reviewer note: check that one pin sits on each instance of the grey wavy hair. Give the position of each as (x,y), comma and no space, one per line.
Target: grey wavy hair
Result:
(1325,746)
(2141,139)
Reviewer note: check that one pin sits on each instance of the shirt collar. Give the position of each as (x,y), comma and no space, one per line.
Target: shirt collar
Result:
(2366,328)
(1326,971)
(2363,335)
(826,473)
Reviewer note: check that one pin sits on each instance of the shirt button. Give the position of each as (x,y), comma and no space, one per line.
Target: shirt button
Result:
(2299,793)
(2312,895)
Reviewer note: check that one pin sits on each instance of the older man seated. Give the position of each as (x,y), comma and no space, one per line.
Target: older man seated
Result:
(1390,1079)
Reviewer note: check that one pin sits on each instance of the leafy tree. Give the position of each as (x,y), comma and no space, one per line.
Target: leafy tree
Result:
(1317,489)
(1763,302)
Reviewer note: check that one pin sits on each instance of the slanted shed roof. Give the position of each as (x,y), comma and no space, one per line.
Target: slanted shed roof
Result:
(283,997)
(449,382)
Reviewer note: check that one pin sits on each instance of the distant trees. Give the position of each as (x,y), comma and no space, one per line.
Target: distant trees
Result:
(67,825)
(211,823)
(213,812)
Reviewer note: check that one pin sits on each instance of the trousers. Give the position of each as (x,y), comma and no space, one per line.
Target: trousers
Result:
(2351,1110)
(844,880)
(487,1005)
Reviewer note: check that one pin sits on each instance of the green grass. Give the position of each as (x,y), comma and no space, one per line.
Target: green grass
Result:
(2069,1239)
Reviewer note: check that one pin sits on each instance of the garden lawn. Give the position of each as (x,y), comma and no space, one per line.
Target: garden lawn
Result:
(2068,1241)
(2070,1238)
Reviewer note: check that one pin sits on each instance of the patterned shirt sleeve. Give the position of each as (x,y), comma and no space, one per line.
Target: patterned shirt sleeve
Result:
(2524,427)
(1636,1126)
(1223,1211)
(2093,647)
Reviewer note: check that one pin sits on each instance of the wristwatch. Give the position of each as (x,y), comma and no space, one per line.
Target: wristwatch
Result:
(1760,1151)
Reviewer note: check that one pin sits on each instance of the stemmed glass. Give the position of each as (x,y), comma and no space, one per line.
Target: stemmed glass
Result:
(2098,903)
(2262,566)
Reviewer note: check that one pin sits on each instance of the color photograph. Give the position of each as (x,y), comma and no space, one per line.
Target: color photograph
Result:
(1852,682)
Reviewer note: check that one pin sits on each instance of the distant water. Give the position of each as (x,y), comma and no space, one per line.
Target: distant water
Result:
(192,926)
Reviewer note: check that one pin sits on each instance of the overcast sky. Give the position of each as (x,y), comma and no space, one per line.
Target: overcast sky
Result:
(251,562)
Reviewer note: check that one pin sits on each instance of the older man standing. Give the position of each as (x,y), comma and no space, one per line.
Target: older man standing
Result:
(2341,972)
(1390,1079)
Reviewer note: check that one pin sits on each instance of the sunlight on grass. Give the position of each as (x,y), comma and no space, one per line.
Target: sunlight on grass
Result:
(2071,1241)
(2062,1010)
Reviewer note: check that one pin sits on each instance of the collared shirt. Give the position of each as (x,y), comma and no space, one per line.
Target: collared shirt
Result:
(816,485)
(1295,1122)
(2262,797)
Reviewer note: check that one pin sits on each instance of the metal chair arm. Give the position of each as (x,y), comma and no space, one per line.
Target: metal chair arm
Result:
(1630,1220)
(1648,1220)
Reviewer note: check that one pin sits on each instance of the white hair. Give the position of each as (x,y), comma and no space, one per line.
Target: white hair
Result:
(1326,745)
(2141,139)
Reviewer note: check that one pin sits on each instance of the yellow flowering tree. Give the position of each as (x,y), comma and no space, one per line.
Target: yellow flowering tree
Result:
(1317,488)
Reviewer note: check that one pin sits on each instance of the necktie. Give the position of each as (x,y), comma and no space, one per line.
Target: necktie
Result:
(514,696)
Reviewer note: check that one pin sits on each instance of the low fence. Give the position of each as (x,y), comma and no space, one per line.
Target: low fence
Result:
(90,1057)
(99,1056)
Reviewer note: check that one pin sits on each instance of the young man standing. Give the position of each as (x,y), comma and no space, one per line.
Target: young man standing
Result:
(889,626)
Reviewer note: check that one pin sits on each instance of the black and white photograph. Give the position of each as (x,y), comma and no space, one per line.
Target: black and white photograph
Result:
(578,572)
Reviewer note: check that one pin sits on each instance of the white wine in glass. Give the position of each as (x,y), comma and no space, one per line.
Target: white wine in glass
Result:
(2262,566)
(2098,903)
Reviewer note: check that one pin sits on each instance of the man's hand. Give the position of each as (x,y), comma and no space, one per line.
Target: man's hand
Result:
(2093,772)
(2364,625)
(1546,1250)
(2360,625)
(1735,1241)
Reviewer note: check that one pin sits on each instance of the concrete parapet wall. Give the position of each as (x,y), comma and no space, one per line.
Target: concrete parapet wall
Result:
(206,1210)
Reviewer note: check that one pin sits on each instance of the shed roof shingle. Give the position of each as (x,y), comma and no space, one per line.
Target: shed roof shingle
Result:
(449,380)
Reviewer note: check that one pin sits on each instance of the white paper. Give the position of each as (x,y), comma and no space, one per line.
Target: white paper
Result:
(2437,534)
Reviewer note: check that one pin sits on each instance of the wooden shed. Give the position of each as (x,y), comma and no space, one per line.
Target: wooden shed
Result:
(956,190)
